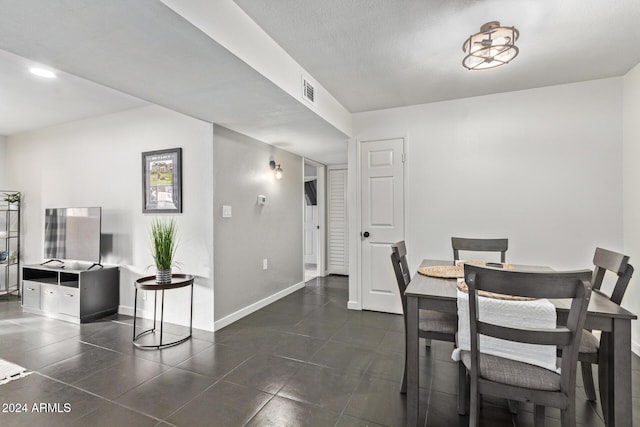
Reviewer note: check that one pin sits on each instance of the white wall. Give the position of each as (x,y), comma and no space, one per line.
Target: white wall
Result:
(3,163)
(541,167)
(631,135)
(253,233)
(97,162)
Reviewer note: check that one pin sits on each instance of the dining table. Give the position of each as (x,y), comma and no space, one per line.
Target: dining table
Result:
(614,369)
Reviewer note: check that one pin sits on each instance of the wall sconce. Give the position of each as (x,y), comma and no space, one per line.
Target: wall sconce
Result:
(277,170)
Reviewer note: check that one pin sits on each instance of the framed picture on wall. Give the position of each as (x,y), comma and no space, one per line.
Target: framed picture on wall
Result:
(162,181)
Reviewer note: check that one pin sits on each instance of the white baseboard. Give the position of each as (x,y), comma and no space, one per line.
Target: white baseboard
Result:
(128,311)
(354,305)
(148,314)
(635,347)
(227,320)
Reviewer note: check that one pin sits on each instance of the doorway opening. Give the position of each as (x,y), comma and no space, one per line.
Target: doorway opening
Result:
(314,206)
(311,224)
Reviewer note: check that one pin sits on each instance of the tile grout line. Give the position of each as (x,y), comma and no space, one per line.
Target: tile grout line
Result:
(100,397)
(216,381)
(362,375)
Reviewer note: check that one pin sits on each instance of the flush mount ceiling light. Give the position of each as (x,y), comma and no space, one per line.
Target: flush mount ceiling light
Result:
(42,72)
(277,169)
(491,47)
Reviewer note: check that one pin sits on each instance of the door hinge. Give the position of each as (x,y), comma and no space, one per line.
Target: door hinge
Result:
(402,157)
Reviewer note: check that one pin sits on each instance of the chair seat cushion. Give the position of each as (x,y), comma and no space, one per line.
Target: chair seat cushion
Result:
(589,343)
(434,321)
(512,372)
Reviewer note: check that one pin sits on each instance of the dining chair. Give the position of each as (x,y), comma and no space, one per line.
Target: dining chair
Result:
(479,245)
(618,264)
(433,325)
(510,379)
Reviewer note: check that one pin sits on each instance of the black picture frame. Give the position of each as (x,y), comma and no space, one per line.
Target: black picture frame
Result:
(162,181)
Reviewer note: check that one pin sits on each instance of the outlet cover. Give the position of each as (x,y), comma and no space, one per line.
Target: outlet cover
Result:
(226,211)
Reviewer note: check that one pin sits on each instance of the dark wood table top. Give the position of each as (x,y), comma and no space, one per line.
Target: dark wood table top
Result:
(177,281)
(436,288)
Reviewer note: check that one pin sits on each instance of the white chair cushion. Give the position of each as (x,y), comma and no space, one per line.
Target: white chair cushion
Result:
(589,343)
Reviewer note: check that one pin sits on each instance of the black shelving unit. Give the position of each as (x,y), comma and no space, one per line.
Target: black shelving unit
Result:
(9,244)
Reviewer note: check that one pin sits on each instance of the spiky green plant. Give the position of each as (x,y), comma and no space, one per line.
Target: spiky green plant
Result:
(164,240)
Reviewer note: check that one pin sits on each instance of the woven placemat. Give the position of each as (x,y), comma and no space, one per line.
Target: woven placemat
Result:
(463,287)
(443,271)
(453,271)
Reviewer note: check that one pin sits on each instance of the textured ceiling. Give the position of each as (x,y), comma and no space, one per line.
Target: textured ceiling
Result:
(374,54)
(146,50)
(370,54)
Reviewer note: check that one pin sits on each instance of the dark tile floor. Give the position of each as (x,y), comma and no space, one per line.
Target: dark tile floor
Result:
(302,361)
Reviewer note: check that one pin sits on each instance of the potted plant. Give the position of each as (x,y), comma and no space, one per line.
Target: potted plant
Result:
(12,199)
(164,245)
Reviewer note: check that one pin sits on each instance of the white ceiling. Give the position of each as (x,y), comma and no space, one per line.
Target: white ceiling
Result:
(370,54)
(146,50)
(374,54)
(28,102)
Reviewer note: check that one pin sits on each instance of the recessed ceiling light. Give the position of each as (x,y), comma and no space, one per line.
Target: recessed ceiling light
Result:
(42,72)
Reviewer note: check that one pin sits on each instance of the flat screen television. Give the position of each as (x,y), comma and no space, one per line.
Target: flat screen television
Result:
(72,234)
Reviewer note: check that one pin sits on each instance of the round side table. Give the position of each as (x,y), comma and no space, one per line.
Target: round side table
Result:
(148,283)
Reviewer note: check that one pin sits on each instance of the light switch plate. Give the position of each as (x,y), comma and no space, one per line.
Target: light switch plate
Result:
(226,211)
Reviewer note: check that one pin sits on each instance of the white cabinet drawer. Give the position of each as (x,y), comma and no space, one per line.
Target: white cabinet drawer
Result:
(69,301)
(49,297)
(31,294)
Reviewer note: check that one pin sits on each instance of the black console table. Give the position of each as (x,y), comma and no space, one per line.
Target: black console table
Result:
(148,283)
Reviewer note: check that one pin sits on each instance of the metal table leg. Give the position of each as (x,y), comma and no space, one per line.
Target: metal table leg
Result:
(161,344)
(135,309)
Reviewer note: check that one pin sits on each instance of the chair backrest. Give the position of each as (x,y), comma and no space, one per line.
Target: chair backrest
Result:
(604,261)
(479,245)
(401,269)
(552,285)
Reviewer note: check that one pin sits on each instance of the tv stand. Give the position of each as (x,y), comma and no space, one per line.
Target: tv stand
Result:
(73,295)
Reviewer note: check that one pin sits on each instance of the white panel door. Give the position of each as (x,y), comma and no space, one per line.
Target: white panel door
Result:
(337,248)
(382,180)
(310,234)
